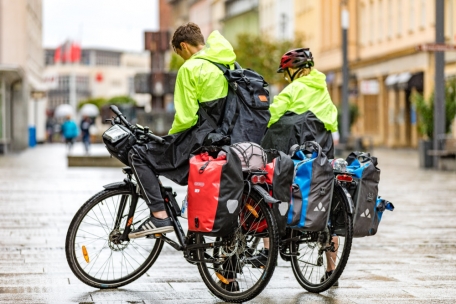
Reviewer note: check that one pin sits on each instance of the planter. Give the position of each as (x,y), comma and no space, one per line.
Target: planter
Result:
(426,161)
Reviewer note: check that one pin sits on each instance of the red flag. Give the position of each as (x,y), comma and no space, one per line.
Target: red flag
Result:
(75,52)
(57,55)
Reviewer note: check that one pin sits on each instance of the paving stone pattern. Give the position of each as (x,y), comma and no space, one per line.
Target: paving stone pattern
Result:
(410,260)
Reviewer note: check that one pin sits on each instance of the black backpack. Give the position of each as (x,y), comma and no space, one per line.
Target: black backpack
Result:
(246,114)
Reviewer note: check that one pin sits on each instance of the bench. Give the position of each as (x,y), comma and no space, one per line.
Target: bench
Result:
(446,156)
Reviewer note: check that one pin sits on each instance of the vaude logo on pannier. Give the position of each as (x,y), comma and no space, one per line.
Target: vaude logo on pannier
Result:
(198,184)
(370,197)
(320,208)
(366,214)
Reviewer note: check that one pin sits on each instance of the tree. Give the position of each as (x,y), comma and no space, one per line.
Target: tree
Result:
(425,109)
(263,54)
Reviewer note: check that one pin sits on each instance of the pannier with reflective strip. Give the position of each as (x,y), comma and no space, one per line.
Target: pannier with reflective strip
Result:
(367,176)
(215,187)
(279,179)
(312,188)
(119,140)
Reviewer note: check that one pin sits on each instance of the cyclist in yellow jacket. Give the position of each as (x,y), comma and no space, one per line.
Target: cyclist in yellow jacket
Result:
(199,83)
(303,110)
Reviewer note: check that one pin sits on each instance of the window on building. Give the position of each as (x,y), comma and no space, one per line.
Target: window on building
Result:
(390,19)
(380,20)
(399,17)
(423,13)
(411,15)
(131,86)
(372,23)
(363,25)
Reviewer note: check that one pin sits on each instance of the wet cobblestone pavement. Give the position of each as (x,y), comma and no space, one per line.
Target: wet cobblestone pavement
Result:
(410,260)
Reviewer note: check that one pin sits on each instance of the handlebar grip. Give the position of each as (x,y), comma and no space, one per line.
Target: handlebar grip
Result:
(115,109)
(156,138)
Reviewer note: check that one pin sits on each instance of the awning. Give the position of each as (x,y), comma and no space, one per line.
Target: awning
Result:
(398,79)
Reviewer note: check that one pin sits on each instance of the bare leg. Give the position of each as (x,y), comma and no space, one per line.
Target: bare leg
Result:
(331,256)
(266,243)
(160,214)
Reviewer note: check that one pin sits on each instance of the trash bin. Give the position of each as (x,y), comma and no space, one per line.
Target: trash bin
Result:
(32,136)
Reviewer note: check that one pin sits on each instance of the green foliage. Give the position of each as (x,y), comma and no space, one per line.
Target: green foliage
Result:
(425,109)
(263,55)
(354,114)
(176,62)
(122,100)
(99,102)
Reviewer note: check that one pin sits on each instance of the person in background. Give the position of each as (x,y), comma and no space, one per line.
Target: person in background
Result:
(69,131)
(86,122)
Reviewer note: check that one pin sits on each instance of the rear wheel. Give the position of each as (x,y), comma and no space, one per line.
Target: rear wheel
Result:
(242,258)
(315,251)
(93,251)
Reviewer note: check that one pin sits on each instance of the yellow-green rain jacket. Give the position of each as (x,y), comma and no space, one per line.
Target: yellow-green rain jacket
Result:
(200,81)
(308,93)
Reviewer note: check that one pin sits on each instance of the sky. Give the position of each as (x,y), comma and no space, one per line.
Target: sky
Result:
(110,24)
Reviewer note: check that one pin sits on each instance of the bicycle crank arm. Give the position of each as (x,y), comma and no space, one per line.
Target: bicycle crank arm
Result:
(172,243)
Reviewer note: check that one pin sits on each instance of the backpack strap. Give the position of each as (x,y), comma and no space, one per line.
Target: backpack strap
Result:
(206,116)
(224,69)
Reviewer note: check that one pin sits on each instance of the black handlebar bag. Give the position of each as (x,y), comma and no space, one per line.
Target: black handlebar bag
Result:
(119,140)
(279,179)
(215,186)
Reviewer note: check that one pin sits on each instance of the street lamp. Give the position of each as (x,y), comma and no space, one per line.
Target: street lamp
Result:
(345,128)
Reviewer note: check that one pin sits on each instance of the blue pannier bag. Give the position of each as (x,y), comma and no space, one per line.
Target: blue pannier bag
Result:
(367,177)
(312,188)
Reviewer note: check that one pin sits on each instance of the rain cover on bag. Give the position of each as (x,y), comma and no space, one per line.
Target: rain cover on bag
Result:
(252,156)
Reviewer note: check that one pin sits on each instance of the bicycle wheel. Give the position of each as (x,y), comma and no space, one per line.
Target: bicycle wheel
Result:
(93,252)
(317,249)
(237,260)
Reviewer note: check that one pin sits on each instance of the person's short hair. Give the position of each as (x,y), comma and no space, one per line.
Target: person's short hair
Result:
(189,33)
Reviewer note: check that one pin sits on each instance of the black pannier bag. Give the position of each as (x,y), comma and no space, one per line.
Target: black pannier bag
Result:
(246,114)
(279,179)
(119,140)
(367,176)
(215,186)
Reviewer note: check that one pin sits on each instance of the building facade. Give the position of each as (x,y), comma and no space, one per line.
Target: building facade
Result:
(100,73)
(276,19)
(384,63)
(21,68)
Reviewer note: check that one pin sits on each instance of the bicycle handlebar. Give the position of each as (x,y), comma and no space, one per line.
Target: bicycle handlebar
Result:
(151,136)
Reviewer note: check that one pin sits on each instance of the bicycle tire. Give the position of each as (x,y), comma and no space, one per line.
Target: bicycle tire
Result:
(242,236)
(312,282)
(100,206)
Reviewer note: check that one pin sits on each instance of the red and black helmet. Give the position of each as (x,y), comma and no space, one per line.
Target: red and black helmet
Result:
(297,58)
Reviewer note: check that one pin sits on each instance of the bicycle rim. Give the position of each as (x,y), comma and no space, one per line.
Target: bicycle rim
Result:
(234,261)
(314,251)
(93,253)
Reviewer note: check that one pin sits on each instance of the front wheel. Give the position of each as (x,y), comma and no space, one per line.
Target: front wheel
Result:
(317,252)
(242,259)
(93,251)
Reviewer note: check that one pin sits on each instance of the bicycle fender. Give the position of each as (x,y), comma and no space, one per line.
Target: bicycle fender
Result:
(350,200)
(265,195)
(117,185)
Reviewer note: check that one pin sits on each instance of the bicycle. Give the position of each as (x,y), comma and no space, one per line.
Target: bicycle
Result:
(309,252)
(101,255)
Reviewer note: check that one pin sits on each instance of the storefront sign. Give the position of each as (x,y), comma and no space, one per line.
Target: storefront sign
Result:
(369,87)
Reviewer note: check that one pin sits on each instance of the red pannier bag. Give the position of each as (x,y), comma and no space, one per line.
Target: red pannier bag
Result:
(279,179)
(215,186)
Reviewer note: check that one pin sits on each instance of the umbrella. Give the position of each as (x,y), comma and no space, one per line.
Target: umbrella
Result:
(63,111)
(90,110)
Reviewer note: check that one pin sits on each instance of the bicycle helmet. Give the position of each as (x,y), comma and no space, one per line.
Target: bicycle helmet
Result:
(297,58)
